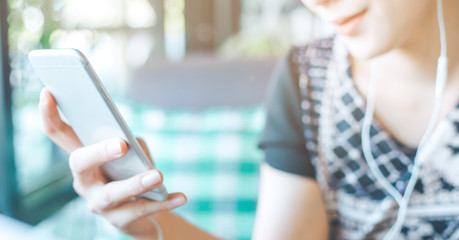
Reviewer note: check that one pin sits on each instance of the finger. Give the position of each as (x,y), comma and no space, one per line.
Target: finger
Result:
(144,146)
(51,123)
(114,193)
(140,208)
(89,158)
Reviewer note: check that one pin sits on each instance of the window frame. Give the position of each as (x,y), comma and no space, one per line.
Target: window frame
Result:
(36,205)
(7,177)
(56,191)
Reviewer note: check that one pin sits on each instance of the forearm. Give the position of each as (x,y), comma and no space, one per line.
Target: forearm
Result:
(175,227)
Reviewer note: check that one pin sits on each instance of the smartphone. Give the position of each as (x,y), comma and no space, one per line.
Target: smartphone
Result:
(88,108)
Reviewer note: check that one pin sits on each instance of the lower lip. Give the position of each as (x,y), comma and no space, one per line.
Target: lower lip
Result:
(350,27)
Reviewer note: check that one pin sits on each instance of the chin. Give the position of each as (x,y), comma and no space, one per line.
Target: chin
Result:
(365,47)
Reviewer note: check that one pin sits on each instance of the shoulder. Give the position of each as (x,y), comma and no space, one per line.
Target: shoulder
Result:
(310,60)
(318,53)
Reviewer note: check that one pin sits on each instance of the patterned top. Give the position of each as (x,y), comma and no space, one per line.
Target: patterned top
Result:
(358,206)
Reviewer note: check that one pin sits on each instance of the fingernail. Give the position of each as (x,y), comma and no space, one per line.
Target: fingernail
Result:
(178,201)
(151,179)
(114,148)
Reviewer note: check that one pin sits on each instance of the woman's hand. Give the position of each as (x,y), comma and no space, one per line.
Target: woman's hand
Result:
(117,201)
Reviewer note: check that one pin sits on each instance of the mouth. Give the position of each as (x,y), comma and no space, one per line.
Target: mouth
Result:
(349,25)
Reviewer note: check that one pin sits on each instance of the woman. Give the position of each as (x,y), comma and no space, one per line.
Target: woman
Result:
(317,182)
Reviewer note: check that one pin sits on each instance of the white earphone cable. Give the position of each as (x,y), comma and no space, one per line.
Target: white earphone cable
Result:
(440,83)
(158,228)
(441,26)
(366,145)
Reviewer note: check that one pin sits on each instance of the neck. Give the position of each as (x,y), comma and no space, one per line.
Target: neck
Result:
(417,57)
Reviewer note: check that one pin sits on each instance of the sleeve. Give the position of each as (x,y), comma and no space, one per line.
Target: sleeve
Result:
(282,140)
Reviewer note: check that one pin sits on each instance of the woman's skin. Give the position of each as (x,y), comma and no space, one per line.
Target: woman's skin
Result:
(116,201)
(402,40)
(399,37)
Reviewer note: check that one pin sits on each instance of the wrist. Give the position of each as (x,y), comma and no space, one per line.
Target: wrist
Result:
(156,222)
(159,232)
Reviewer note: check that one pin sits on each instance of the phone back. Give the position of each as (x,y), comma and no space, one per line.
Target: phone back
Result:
(88,108)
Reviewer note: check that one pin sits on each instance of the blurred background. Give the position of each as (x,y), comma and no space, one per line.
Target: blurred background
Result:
(189,76)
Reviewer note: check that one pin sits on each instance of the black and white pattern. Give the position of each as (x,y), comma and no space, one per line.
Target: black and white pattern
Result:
(358,206)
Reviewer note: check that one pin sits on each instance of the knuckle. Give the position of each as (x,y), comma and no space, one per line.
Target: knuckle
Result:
(164,205)
(61,127)
(142,210)
(73,163)
(47,129)
(114,222)
(135,185)
(51,129)
(107,201)
(77,187)
(100,202)
(93,207)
